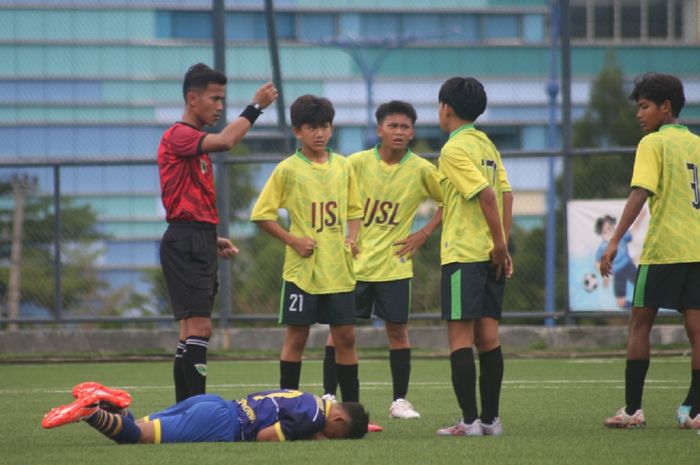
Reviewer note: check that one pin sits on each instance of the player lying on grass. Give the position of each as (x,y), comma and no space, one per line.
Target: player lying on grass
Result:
(278,415)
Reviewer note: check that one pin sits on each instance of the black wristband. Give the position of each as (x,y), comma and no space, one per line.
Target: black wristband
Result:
(251,113)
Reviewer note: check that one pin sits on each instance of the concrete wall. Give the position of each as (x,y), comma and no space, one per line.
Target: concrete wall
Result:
(514,339)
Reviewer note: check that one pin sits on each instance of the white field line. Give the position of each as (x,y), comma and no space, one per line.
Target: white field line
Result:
(376,385)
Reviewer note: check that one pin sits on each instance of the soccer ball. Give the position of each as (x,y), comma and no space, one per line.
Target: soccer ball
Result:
(590,282)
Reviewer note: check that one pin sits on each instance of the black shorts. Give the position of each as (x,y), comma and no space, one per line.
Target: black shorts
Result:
(390,300)
(675,285)
(188,255)
(298,307)
(471,291)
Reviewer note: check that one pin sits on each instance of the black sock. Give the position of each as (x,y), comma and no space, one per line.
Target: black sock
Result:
(464,382)
(490,380)
(689,397)
(349,382)
(695,394)
(120,429)
(194,361)
(635,373)
(330,377)
(290,373)
(400,363)
(179,373)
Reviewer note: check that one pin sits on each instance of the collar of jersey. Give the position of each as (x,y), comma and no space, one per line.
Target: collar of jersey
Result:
(379,158)
(303,157)
(675,126)
(190,125)
(460,129)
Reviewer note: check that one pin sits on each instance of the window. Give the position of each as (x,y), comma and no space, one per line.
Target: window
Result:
(380,25)
(631,22)
(245,26)
(460,28)
(315,26)
(422,25)
(579,19)
(500,27)
(191,25)
(658,19)
(603,22)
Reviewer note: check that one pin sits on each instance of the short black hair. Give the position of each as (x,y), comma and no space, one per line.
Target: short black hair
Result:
(359,419)
(395,107)
(602,220)
(309,109)
(466,96)
(658,88)
(199,76)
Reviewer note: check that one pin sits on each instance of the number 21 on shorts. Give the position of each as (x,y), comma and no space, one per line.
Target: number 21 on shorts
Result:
(296,302)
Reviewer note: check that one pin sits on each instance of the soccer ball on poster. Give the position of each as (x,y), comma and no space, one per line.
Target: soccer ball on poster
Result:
(590,282)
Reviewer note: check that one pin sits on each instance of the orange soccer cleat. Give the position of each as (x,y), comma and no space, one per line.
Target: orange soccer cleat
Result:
(112,400)
(80,409)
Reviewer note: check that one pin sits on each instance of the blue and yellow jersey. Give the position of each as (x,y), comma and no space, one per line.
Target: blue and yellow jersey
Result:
(294,414)
(320,198)
(667,164)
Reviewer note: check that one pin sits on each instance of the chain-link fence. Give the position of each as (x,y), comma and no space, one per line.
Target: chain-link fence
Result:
(88,87)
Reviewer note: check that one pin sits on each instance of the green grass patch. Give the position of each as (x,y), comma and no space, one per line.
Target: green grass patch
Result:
(552,411)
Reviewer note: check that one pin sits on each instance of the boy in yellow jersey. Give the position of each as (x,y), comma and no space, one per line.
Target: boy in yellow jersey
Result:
(666,174)
(393,182)
(318,189)
(477,206)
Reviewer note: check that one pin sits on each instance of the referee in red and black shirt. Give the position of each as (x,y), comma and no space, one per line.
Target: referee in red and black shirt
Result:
(189,249)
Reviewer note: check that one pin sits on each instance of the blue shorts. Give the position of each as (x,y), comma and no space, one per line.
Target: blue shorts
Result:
(202,418)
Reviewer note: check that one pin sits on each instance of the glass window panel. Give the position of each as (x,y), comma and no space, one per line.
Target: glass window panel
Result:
(500,26)
(285,25)
(658,19)
(603,21)
(379,25)
(461,28)
(422,25)
(579,19)
(631,22)
(533,28)
(191,25)
(245,26)
(315,26)
(679,20)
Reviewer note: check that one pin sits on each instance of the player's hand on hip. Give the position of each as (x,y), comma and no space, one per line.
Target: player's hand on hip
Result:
(304,246)
(265,95)
(411,244)
(225,247)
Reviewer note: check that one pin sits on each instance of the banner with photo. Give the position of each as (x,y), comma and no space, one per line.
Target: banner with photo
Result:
(590,226)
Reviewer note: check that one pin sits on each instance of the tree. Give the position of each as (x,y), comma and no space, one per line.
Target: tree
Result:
(78,232)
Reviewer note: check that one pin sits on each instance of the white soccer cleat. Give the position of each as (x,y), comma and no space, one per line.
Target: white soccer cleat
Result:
(681,414)
(692,423)
(401,408)
(463,429)
(622,420)
(330,397)
(495,428)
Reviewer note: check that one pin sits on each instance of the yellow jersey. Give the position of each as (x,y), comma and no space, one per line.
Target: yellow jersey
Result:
(319,198)
(666,165)
(391,195)
(469,163)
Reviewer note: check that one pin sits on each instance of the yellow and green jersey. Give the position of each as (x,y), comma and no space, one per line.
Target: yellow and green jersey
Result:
(391,195)
(469,163)
(320,198)
(667,164)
